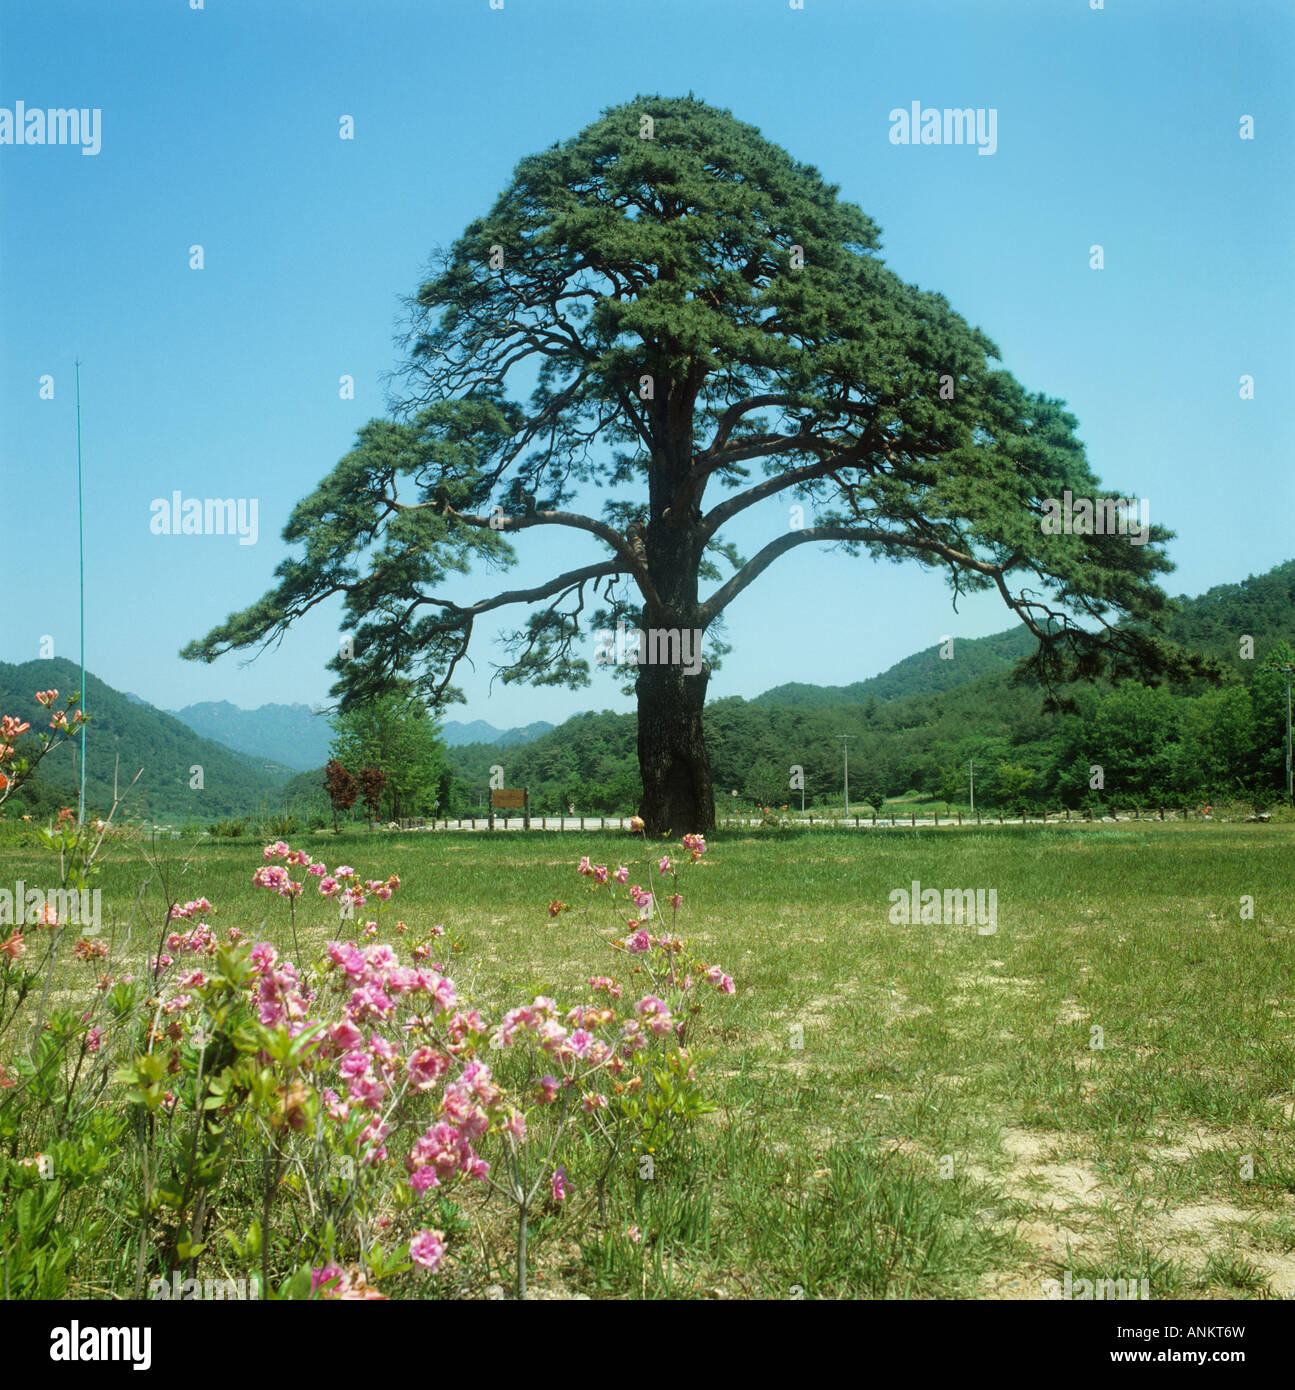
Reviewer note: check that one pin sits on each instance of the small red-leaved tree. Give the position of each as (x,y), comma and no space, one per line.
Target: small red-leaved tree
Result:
(372,781)
(341,787)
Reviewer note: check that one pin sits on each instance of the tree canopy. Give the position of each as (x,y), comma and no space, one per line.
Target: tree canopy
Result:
(671,311)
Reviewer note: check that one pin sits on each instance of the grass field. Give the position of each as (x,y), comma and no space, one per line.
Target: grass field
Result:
(904,1110)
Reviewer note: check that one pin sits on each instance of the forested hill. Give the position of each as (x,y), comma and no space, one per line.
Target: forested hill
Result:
(1263,606)
(140,736)
(945,712)
(913,727)
(923,673)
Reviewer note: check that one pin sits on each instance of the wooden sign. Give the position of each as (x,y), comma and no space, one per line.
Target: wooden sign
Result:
(508,799)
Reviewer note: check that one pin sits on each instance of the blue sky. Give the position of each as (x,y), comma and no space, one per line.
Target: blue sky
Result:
(220,128)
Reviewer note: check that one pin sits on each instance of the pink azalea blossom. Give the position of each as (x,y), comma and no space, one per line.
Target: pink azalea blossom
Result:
(427,1249)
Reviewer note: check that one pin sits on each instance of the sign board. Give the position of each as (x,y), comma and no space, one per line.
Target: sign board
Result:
(505,799)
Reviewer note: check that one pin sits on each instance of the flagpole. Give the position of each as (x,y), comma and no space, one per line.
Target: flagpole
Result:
(80,509)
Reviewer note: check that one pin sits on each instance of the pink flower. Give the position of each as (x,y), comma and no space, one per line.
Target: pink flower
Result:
(622,874)
(636,824)
(345,1035)
(655,1014)
(92,1040)
(263,956)
(600,873)
(721,981)
(476,1076)
(427,1249)
(560,1185)
(584,867)
(664,865)
(548,1089)
(424,1178)
(424,1067)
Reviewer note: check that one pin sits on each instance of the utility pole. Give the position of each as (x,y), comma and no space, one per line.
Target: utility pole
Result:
(971,772)
(845,750)
(80,510)
(1290,791)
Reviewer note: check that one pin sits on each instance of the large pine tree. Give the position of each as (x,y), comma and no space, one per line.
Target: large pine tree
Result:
(671,310)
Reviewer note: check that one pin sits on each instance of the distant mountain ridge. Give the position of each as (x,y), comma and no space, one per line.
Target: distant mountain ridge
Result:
(294,735)
(458,734)
(125,734)
(299,737)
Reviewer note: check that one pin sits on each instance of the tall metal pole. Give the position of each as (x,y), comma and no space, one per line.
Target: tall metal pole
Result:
(80,508)
(971,772)
(845,749)
(1290,791)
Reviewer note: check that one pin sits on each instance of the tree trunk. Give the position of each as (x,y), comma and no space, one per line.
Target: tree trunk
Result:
(678,797)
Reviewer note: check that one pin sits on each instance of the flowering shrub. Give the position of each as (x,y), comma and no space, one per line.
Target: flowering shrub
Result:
(316,1124)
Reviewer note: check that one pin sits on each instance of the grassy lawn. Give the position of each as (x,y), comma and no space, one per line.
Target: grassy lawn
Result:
(1103,1085)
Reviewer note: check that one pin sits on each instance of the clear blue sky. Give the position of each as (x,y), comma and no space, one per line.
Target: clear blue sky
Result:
(220,127)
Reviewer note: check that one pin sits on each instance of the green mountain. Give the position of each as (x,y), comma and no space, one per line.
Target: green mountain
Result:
(1212,624)
(456,733)
(924,673)
(917,725)
(289,734)
(125,735)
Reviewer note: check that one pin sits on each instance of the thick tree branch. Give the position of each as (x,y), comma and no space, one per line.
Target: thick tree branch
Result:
(780,482)
(632,560)
(464,613)
(754,567)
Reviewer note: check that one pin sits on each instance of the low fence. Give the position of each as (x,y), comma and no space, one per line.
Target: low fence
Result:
(891,819)
(886,820)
